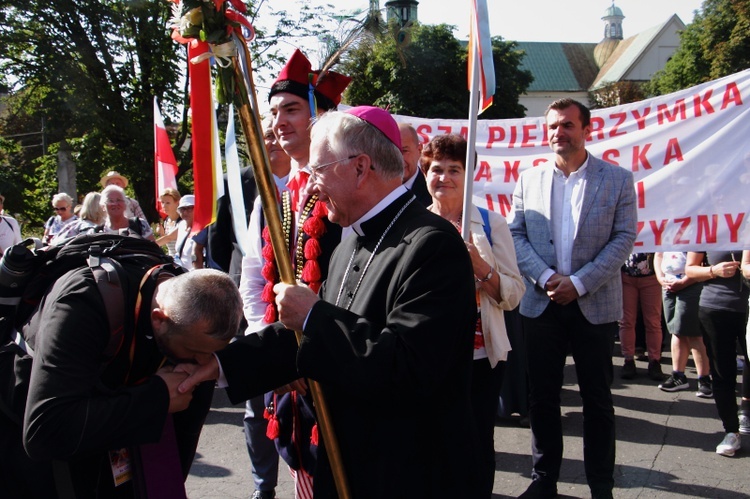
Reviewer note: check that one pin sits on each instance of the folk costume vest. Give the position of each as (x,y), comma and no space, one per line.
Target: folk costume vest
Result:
(310,244)
(291,417)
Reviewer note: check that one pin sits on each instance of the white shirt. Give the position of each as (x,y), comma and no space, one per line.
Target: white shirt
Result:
(252,281)
(409,184)
(184,246)
(10,233)
(565,208)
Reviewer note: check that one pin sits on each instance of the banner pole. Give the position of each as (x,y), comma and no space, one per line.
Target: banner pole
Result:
(471,141)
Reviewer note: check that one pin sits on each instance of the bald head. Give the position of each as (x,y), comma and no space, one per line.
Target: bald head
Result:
(410,149)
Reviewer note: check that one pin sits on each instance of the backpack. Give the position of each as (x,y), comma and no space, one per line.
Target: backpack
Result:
(134,226)
(26,275)
(486,220)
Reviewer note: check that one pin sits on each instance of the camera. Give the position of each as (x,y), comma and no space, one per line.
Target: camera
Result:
(16,268)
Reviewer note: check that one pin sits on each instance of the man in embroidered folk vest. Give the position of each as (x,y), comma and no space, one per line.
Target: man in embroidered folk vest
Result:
(296,97)
(390,336)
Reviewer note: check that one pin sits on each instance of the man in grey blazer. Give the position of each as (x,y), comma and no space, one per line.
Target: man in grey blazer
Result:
(574,225)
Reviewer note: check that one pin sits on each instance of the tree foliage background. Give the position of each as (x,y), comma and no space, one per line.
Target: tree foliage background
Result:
(714,45)
(90,70)
(85,73)
(425,75)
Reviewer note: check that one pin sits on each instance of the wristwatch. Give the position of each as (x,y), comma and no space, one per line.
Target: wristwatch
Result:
(487,277)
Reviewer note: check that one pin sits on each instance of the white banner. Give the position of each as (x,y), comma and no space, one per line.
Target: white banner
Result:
(689,153)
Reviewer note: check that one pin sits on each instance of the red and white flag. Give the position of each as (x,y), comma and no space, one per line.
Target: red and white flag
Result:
(480,52)
(481,89)
(165,164)
(207,171)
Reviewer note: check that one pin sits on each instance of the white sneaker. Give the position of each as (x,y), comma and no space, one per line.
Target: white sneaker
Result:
(729,445)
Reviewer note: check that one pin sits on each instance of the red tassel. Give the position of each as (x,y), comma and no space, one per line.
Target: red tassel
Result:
(312,249)
(320,210)
(266,414)
(272,431)
(270,316)
(267,253)
(315,286)
(266,235)
(314,227)
(268,295)
(311,271)
(314,435)
(268,271)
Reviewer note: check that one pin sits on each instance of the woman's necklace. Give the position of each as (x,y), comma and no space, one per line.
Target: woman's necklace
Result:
(456,222)
(369,261)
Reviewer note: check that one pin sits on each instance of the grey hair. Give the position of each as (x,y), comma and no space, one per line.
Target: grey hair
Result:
(109,190)
(61,196)
(344,134)
(203,295)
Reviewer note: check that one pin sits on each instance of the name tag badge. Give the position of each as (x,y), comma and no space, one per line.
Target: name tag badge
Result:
(119,461)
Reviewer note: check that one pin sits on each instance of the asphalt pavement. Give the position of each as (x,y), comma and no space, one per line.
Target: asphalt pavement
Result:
(665,447)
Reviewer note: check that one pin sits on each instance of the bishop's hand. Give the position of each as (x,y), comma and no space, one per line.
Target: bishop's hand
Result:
(294,302)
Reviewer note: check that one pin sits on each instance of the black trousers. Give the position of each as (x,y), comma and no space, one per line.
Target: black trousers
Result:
(549,338)
(723,330)
(485,397)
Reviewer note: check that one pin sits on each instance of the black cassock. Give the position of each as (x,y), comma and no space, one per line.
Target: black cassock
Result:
(391,346)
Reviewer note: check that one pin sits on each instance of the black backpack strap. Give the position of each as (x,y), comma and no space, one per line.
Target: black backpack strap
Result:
(107,277)
(63,479)
(135,225)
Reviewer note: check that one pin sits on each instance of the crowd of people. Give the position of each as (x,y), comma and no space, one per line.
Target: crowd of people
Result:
(391,311)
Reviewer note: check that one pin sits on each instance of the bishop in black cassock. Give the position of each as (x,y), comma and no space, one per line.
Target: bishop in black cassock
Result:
(390,338)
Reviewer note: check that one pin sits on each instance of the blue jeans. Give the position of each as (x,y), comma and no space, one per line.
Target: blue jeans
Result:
(264,459)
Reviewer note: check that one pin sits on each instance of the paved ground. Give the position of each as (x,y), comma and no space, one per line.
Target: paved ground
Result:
(665,448)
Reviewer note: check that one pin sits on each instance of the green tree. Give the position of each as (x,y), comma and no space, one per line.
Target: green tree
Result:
(715,44)
(510,81)
(616,93)
(90,70)
(412,79)
(425,75)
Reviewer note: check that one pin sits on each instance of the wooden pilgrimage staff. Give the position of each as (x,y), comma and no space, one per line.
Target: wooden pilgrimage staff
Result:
(253,131)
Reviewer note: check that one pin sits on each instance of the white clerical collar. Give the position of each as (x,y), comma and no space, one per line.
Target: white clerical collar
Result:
(383,204)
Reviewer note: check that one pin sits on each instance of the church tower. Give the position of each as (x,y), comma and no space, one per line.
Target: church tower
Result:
(612,34)
(402,11)
(613,22)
